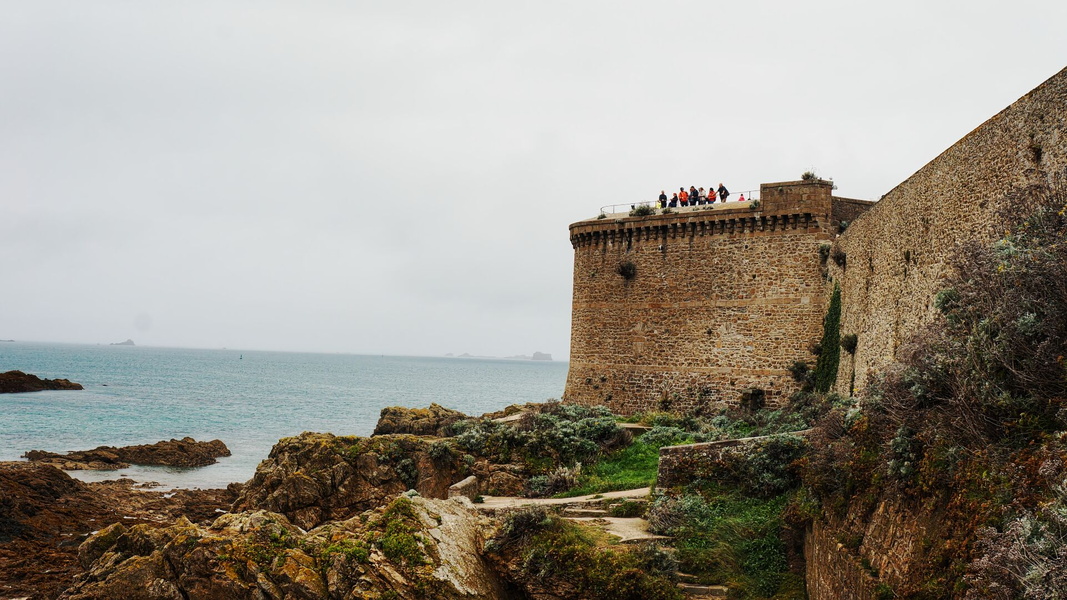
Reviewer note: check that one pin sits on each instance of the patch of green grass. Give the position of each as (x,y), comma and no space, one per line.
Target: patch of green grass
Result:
(632,467)
(352,550)
(736,540)
(397,539)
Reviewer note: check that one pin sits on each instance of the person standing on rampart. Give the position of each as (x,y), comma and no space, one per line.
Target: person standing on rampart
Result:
(662,199)
(693,196)
(723,192)
(683,196)
(674,200)
(712,196)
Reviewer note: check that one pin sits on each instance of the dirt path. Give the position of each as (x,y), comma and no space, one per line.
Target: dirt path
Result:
(628,530)
(493,503)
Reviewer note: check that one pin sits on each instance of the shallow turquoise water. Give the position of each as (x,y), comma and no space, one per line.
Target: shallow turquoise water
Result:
(248,399)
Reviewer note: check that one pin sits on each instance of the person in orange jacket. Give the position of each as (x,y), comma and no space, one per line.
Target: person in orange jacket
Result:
(683,196)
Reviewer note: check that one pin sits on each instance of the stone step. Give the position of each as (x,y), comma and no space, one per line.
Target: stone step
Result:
(704,591)
(575,511)
(686,577)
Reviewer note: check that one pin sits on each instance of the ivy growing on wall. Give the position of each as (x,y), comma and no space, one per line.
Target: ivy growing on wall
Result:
(830,355)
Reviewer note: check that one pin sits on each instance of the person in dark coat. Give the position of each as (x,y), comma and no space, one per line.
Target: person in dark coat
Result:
(723,192)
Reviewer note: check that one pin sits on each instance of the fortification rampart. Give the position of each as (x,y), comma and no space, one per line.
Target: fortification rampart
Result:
(896,255)
(683,311)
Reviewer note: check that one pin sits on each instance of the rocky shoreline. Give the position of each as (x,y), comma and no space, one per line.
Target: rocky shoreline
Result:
(185,452)
(324,517)
(45,515)
(15,382)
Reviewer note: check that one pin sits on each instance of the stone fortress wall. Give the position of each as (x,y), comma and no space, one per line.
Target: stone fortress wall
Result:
(724,300)
(720,300)
(896,255)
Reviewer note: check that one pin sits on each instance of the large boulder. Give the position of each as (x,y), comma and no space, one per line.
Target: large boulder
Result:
(317,477)
(13,382)
(435,420)
(185,452)
(410,548)
(40,502)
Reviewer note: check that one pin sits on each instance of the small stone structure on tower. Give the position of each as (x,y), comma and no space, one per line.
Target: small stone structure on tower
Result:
(689,310)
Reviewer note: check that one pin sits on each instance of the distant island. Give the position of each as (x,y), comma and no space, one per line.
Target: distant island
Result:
(536,356)
(128,342)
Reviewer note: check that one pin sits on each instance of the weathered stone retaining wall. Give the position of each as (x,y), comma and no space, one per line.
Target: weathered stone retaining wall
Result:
(678,463)
(833,573)
(716,301)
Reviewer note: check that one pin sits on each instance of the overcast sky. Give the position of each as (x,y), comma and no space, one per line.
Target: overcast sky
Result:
(398,177)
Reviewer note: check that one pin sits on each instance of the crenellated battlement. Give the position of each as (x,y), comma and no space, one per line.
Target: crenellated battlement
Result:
(674,225)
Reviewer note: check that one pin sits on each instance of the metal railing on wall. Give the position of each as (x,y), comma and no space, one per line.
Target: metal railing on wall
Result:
(732,202)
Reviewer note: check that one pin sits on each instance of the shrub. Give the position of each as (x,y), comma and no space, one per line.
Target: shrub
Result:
(993,370)
(537,486)
(558,553)
(441,451)
(627,509)
(824,253)
(408,473)
(727,538)
(808,175)
(668,513)
(627,269)
(556,434)
(644,210)
(849,342)
(1028,559)
(830,356)
(904,453)
(803,375)
(661,435)
(397,538)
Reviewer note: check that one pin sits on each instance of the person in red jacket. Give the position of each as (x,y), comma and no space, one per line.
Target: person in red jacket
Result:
(683,196)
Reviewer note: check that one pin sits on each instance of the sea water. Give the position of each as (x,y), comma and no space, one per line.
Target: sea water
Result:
(248,399)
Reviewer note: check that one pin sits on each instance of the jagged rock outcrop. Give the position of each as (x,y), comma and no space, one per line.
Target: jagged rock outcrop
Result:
(435,420)
(410,548)
(317,477)
(13,382)
(185,452)
(44,514)
(40,502)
